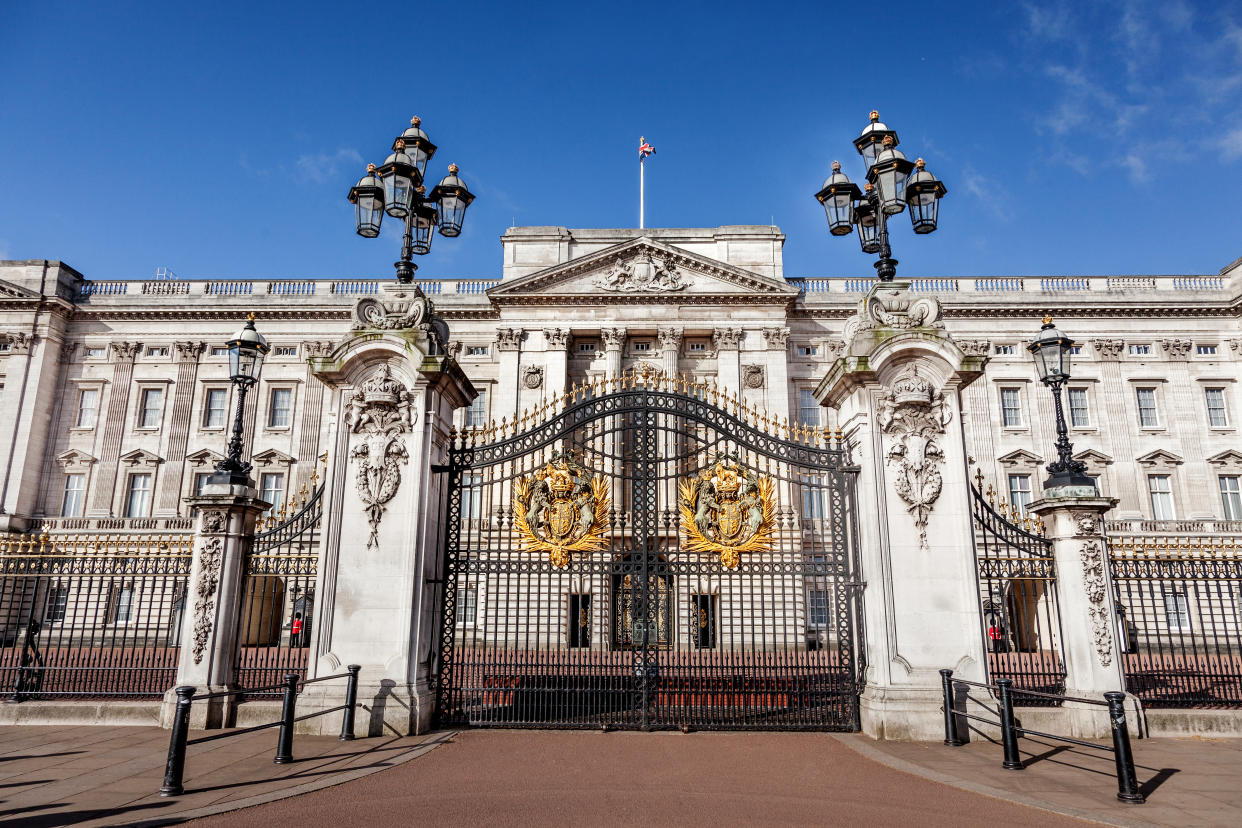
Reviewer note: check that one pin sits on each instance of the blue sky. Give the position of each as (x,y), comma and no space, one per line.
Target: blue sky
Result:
(220,140)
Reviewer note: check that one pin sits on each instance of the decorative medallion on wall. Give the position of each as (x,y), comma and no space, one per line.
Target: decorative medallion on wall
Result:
(752,376)
(913,414)
(728,510)
(532,376)
(644,273)
(379,413)
(561,509)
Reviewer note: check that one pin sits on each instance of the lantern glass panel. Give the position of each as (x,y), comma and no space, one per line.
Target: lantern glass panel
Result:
(398,193)
(422,223)
(923,212)
(869,234)
(840,210)
(419,156)
(369,212)
(452,214)
(244,363)
(869,152)
(892,184)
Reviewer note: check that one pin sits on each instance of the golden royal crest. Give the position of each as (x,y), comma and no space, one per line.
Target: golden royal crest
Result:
(728,510)
(560,509)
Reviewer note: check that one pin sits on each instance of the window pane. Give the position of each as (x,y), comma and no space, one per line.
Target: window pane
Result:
(1019,490)
(468,603)
(88,408)
(808,407)
(1177,611)
(124,606)
(1217,417)
(214,409)
(152,400)
(814,502)
(280,412)
(200,480)
(1161,496)
(476,414)
(272,487)
(1146,398)
(817,608)
(71,504)
(1078,407)
(1231,497)
(472,496)
(1011,413)
(138,498)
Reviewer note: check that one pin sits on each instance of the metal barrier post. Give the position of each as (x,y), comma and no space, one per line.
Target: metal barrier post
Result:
(351,701)
(284,742)
(1009,732)
(1127,780)
(950,718)
(175,769)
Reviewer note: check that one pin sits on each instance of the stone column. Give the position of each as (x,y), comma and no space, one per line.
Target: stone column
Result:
(670,349)
(509,346)
(34,369)
(898,392)
(381,557)
(614,342)
(123,354)
(1074,517)
(213,601)
(728,341)
(311,431)
(776,367)
(556,365)
(1113,392)
(180,425)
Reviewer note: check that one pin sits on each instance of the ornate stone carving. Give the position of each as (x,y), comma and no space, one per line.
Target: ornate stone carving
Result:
(557,338)
(400,308)
(1176,348)
(316,349)
(670,338)
(614,338)
(68,350)
(20,342)
(776,338)
(379,413)
(1108,349)
(1234,344)
(124,350)
(210,558)
(189,351)
(509,339)
(833,349)
(453,348)
(1092,557)
(644,273)
(913,414)
(730,338)
(975,347)
(213,521)
(532,376)
(752,376)
(894,306)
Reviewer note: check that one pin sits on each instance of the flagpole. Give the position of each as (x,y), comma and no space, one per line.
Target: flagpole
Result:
(642,190)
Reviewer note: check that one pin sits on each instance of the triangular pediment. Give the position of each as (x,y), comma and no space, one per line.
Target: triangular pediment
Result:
(1020,457)
(642,271)
(1229,457)
(271,457)
(204,457)
(141,457)
(1093,456)
(8,290)
(74,458)
(1160,457)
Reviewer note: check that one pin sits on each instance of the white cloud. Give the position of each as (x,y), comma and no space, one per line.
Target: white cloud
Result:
(322,166)
(1137,167)
(988,192)
(1231,144)
(4,248)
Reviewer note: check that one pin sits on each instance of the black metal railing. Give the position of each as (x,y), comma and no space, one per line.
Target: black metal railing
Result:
(86,616)
(174,770)
(1019,615)
(1179,618)
(1004,692)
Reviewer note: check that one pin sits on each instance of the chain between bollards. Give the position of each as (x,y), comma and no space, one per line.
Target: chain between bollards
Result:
(175,769)
(951,736)
(351,701)
(1127,780)
(284,742)
(1009,731)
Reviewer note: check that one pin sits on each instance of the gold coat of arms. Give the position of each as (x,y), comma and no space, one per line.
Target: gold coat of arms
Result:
(728,510)
(561,509)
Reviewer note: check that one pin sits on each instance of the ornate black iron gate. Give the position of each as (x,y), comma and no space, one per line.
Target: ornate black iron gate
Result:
(649,554)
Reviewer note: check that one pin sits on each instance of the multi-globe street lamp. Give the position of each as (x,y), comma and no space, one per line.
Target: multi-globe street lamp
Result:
(890,189)
(1051,351)
(246,351)
(396,188)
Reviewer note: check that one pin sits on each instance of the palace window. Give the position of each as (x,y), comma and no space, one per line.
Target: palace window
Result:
(280,408)
(1146,400)
(75,493)
(808,350)
(1231,496)
(1177,610)
(200,481)
(808,407)
(817,608)
(588,346)
(138,495)
(1159,486)
(1205,350)
(219,352)
(1075,350)
(697,346)
(472,496)
(1005,350)
(1079,416)
(121,607)
(94,353)
(285,350)
(578,625)
(152,408)
(215,407)
(703,608)
(157,352)
(642,346)
(814,500)
(1140,350)
(476,414)
(476,350)
(1019,491)
(467,605)
(88,408)
(1011,407)
(1218,417)
(272,489)
(57,604)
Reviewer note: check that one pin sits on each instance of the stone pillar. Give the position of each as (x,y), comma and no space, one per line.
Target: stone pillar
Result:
(897,391)
(1074,517)
(381,560)
(509,346)
(34,369)
(556,362)
(123,354)
(311,431)
(670,349)
(614,342)
(213,600)
(776,367)
(179,427)
(728,341)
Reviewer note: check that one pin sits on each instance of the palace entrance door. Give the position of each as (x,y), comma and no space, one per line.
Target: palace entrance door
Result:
(647,554)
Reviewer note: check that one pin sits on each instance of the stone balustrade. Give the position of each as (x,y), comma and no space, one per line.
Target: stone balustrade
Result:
(1022,284)
(270,287)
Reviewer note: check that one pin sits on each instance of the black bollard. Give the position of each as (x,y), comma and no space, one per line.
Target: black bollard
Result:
(950,718)
(175,769)
(351,701)
(1009,732)
(284,742)
(1127,780)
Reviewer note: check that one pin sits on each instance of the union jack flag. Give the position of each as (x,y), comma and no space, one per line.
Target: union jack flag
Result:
(644,149)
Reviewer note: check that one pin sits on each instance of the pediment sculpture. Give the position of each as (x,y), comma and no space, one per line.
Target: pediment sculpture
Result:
(379,414)
(913,414)
(644,273)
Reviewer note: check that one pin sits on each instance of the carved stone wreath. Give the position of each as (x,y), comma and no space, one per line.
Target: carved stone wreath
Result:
(379,413)
(210,558)
(913,414)
(1092,557)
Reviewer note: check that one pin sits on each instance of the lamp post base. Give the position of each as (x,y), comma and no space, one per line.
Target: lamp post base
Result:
(405,272)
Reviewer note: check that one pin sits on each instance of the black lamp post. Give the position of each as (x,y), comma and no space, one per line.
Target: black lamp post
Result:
(246,351)
(396,188)
(1051,350)
(890,189)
